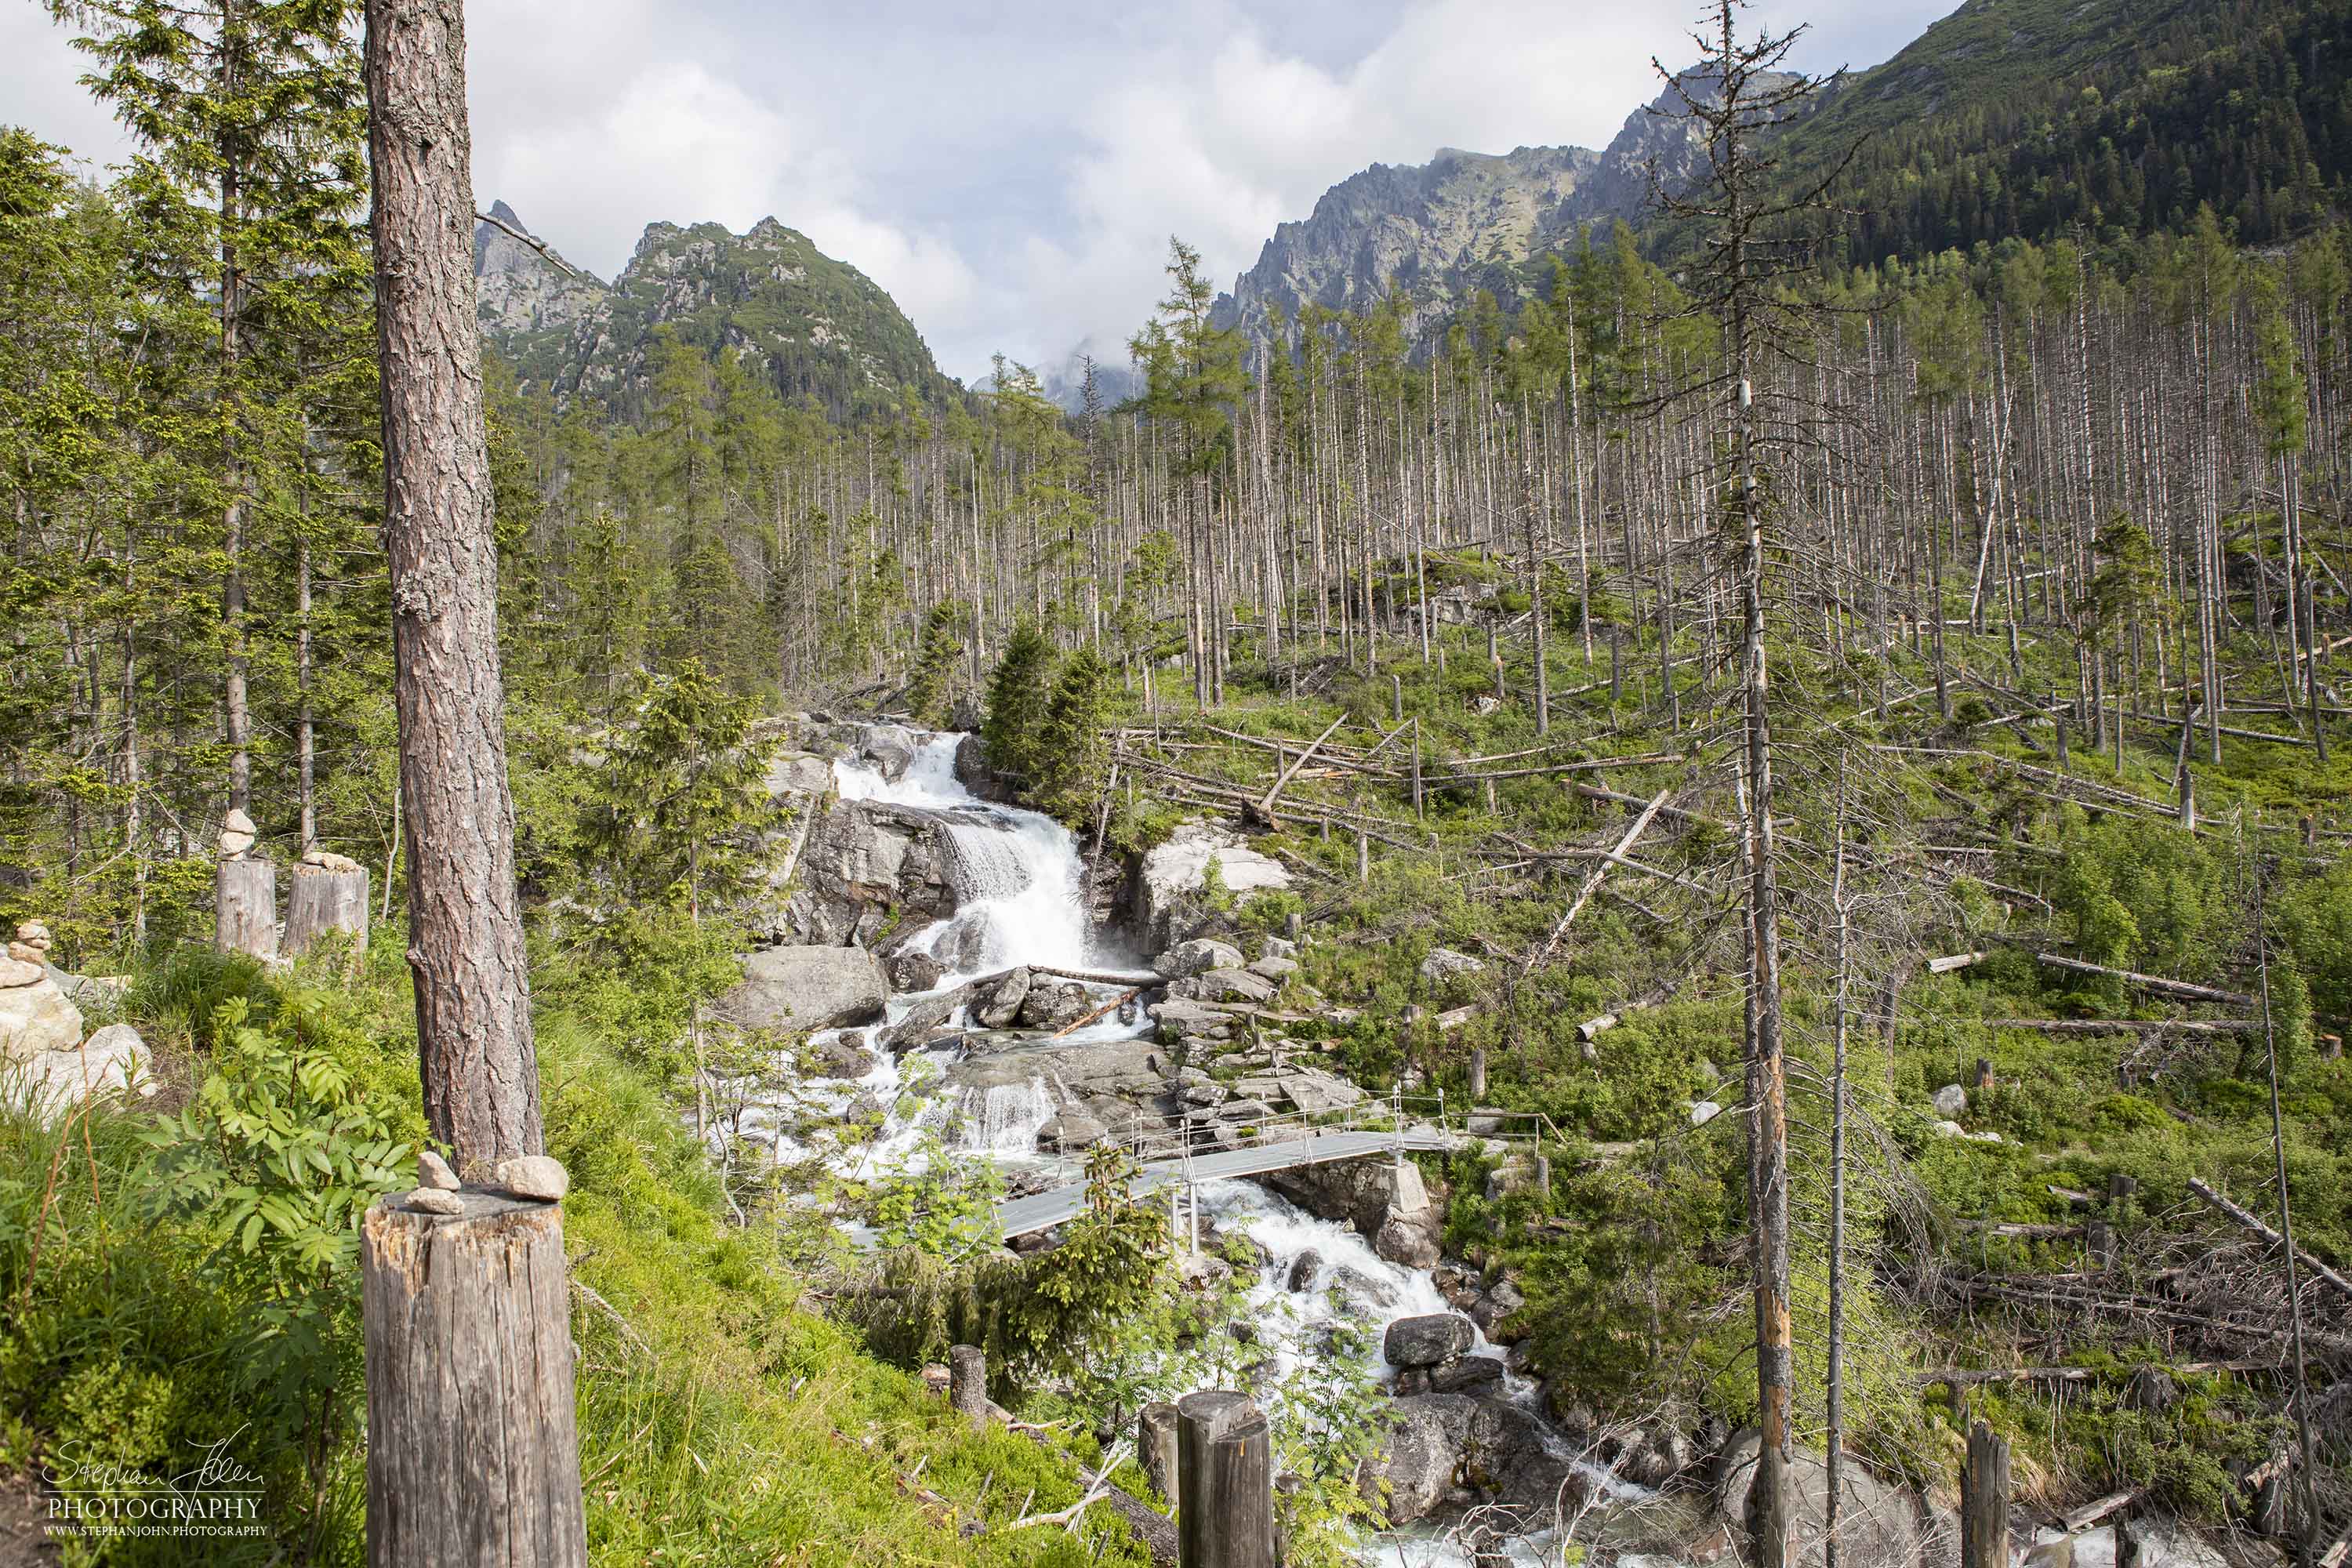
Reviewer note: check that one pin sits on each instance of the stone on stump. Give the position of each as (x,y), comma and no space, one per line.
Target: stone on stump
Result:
(322,900)
(244,902)
(967,1383)
(472,1455)
(1155,1446)
(1224,1461)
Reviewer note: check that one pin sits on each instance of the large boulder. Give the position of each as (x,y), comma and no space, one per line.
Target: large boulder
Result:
(1223,986)
(1877,1521)
(1003,1005)
(1431,1339)
(1360,1193)
(1456,1449)
(890,749)
(1168,891)
(35,1015)
(867,866)
(798,774)
(1052,1006)
(790,990)
(1197,957)
(48,1083)
(1443,963)
(973,772)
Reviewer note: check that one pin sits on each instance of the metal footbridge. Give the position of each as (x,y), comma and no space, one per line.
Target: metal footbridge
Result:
(1042,1211)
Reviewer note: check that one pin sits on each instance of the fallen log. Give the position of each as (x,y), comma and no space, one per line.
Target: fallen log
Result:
(1263,809)
(1083,1020)
(1945,965)
(2156,982)
(2247,1218)
(2090,1513)
(1592,879)
(2116,1026)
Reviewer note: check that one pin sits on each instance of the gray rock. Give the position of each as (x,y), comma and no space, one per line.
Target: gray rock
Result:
(1409,1238)
(114,1061)
(1197,956)
(434,1200)
(911,972)
(1949,1100)
(1277,947)
(1431,1340)
(1167,890)
(1443,963)
(866,865)
(539,1176)
(1876,1524)
(1071,1132)
(1318,1093)
(800,775)
(835,1057)
(1003,1005)
(35,1016)
(1303,1269)
(791,989)
(1179,1016)
(433,1171)
(1468,1375)
(1501,1299)
(890,748)
(921,1021)
(1455,1448)
(1275,969)
(1223,986)
(1050,1006)
(1703,1111)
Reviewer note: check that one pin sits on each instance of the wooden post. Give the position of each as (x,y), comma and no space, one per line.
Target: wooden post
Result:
(472,1457)
(1224,1460)
(1984,1073)
(967,1383)
(322,900)
(2099,1242)
(1479,1075)
(2064,760)
(1416,768)
(245,903)
(1984,1501)
(1155,1446)
(1396,699)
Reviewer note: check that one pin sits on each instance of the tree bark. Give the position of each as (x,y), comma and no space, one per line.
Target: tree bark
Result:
(472,1455)
(323,901)
(1225,1482)
(245,905)
(465,941)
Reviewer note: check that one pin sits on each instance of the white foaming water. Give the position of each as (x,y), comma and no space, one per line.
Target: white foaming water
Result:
(1018,873)
(1005,1120)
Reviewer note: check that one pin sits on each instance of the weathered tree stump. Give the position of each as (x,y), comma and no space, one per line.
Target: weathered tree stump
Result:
(321,901)
(245,903)
(1984,1501)
(1478,1073)
(1543,1174)
(472,1453)
(1224,1461)
(967,1383)
(1155,1446)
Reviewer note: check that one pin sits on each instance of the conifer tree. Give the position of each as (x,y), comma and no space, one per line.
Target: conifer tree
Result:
(1013,728)
(1073,750)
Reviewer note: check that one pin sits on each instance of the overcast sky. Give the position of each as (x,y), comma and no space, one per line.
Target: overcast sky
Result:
(1010,173)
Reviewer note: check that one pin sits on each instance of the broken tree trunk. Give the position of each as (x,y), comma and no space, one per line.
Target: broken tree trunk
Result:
(1263,809)
(967,1383)
(1593,880)
(2157,982)
(1224,1504)
(472,1456)
(2249,1221)
(2111,1026)
(1984,1501)
(1954,960)
(245,903)
(323,901)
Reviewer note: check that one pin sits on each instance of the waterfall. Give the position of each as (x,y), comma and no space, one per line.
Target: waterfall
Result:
(1004,1118)
(1017,874)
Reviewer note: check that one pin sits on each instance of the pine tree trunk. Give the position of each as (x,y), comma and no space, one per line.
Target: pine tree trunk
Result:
(466,944)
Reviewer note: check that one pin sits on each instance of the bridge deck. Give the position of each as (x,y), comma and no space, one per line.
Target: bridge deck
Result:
(1042,1211)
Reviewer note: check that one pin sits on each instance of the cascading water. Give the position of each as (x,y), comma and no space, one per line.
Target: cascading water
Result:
(1017,873)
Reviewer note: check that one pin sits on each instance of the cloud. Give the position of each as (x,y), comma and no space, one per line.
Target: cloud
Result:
(1011,175)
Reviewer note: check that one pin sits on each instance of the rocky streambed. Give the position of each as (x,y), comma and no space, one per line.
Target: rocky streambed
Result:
(943,952)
